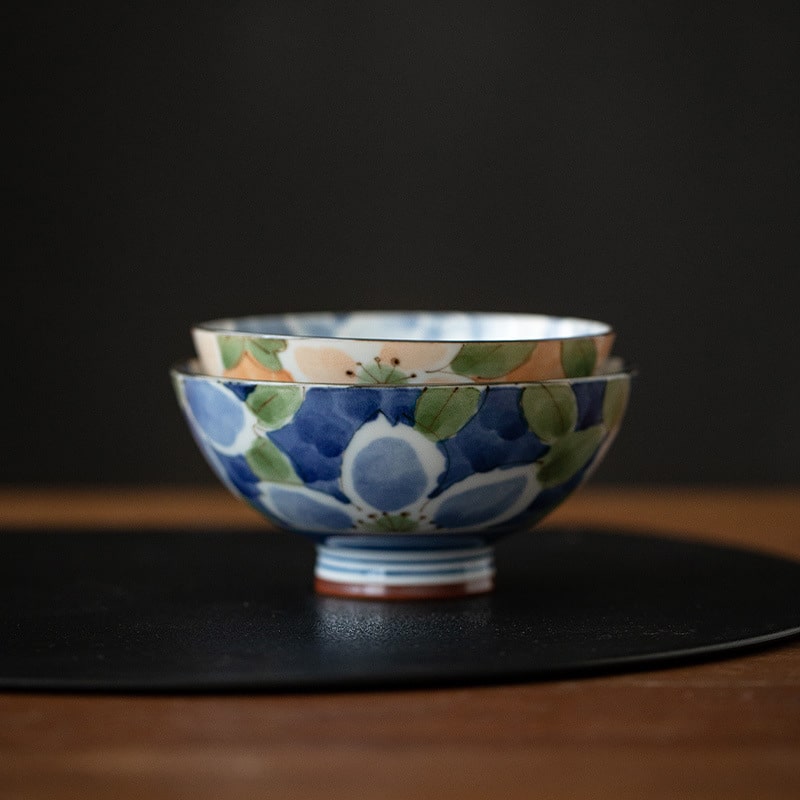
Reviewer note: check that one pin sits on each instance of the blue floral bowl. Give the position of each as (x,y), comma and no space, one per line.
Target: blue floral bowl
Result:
(403,488)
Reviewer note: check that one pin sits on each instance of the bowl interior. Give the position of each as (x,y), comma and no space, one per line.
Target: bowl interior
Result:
(443,326)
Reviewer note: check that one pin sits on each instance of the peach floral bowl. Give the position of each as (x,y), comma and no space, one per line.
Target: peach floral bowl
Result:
(403,347)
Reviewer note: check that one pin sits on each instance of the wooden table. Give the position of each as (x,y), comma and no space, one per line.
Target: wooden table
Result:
(726,729)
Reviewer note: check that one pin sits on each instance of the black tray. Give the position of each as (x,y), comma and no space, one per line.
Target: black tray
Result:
(233,611)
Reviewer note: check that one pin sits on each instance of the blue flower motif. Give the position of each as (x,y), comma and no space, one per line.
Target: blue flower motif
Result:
(496,437)
(237,473)
(489,501)
(390,468)
(303,509)
(589,396)
(324,425)
(218,415)
(390,476)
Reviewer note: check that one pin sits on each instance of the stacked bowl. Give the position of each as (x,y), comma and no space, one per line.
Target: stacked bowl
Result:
(404,444)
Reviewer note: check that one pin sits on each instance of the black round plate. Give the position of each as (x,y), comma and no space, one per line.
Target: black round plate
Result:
(233,611)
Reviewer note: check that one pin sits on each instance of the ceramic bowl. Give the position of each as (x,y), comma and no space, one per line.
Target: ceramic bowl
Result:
(419,347)
(403,488)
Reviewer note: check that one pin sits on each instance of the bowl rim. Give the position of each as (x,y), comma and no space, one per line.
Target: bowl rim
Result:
(191,368)
(228,326)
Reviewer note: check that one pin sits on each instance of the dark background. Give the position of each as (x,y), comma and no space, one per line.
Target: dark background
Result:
(636,163)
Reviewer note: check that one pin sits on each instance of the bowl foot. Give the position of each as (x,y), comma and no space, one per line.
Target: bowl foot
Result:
(403,574)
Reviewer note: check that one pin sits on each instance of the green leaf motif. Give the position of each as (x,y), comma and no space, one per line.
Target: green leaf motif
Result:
(441,412)
(392,523)
(569,454)
(491,359)
(378,372)
(275,405)
(578,357)
(265,351)
(269,464)
(615,401)
(550,409)
(231,349)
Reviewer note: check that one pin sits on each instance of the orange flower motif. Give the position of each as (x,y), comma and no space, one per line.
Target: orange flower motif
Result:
(249,368)
(545,361)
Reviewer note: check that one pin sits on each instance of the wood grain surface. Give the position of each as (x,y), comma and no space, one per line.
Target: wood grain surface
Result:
(723,729)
